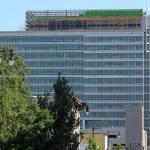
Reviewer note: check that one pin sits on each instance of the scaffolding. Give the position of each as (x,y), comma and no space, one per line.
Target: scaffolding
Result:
(83,19)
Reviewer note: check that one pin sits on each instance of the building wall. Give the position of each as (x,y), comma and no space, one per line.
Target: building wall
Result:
(136,136)
(146,27)
(115,136)
(105,69)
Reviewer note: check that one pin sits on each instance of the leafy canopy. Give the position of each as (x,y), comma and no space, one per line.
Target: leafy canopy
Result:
(20,116)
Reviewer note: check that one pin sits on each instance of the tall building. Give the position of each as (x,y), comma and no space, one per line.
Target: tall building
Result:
(103,53)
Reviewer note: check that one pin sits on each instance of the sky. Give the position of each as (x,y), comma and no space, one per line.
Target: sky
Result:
(12,12)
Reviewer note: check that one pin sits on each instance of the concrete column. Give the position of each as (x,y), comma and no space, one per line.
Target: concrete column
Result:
(83,124)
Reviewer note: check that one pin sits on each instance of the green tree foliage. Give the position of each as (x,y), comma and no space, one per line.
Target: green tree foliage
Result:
(65,109)
(22,122)
(100,147)
(92,144)
(119,147)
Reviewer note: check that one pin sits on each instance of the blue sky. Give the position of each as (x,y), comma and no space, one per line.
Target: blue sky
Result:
(12,12)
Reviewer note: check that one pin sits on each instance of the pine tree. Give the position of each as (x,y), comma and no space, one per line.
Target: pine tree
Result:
(66,108)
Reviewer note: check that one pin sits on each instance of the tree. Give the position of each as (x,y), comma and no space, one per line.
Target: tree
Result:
(92,144)
(100,147)
(22,122)
(65,110)
(119,147)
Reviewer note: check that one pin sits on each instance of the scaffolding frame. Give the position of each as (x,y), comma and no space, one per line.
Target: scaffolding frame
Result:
(83,19)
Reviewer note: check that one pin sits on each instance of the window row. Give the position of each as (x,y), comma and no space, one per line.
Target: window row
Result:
(115,89)
(103,114)
(113,38)
(113,80)
(42,71)
(101,90)
(112,63)
(80,63)
(132,98)
(113,55)
(54,63)
(41,89)
(114,47)
(79,55)
(113,72)
(47,80)
(109,106)
(112,89)
(69,47)
(70,38)
(55,38)
(98,124)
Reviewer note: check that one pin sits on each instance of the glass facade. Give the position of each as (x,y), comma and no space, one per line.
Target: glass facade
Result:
(105,69)
(147,83)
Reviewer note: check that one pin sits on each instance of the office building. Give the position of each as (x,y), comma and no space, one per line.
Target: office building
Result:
(104,54)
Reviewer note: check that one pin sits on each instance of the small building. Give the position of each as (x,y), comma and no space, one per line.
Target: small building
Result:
(113,136)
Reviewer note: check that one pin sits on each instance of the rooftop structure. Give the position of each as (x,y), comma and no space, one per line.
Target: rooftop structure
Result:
(83,19)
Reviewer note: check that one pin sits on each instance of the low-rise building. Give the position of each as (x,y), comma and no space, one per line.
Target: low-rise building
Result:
(101,140)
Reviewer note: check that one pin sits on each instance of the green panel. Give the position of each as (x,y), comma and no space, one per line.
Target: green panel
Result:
(96,13)
(117,12)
